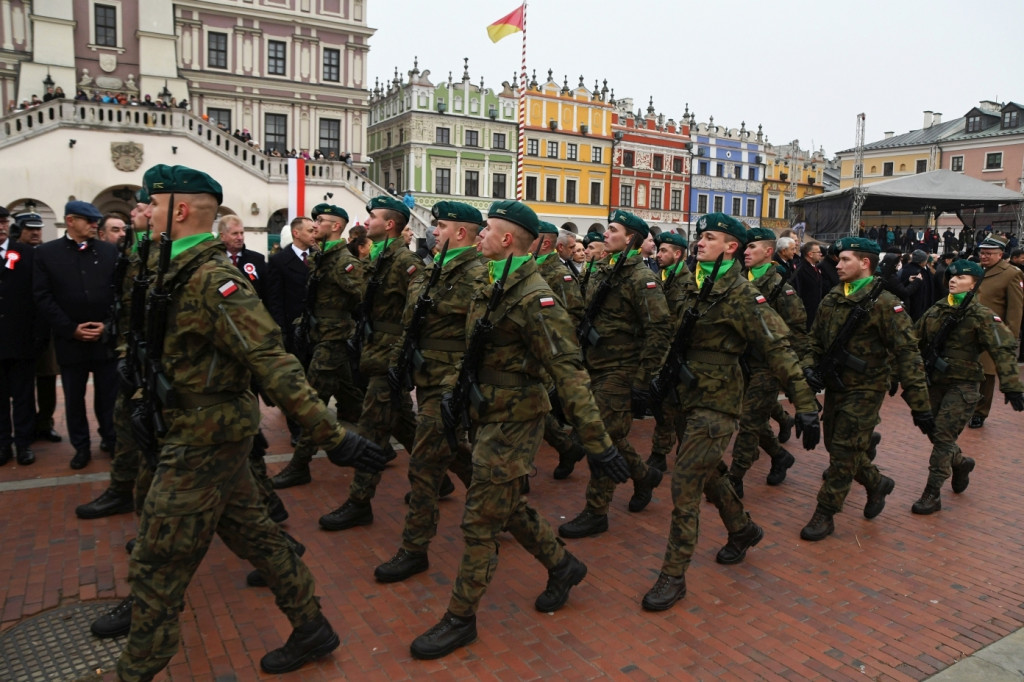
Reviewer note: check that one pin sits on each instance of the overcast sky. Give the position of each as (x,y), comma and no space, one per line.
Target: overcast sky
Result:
(803,70)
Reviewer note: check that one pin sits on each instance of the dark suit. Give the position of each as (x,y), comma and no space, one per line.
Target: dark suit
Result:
(808,285)
(286,289)
(73,286)
(652,263)
(257,273)
(20,330)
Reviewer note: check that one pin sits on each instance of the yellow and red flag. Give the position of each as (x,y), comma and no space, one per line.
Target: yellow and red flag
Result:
(507,25)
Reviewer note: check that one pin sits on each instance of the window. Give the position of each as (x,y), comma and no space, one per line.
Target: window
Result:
(676,200)
(552,150)
(677,165)
(330,136)
(595,194)
(442,181)
(332,64)
(737,172)
(773,205)
(994,161)
(626,196)
(1010,119)
(217,50)
(472,138)
(106,25)
(719,201)
(752,174)
(275,57)
(442,136)
(751,207)
(472,188)
(387,178)
(736,206)
(570,152)
(551,189)
(659,162)
(922,166)
(595,154)
(570,191)
(656,198)
(388,138)
(627,159)
(398,178)
(702,168)
(498,141)
(887,168)
(220,117)
(702,203)
(531,189)
(720,170)
(533,148)
(276,137)
(973,123)
(498,186)
(956,164)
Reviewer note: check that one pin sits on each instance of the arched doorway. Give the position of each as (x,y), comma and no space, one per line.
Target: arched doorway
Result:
(571,227)
(275,225)
(118,200)
(596,227)
(54,223)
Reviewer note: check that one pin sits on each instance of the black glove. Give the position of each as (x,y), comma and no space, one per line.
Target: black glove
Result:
(356,451)
(394,381)
(808,426)
(450,420)
(813,380)
(1016,400)
(894,386)
(640,398)
(924,421)
(609,463)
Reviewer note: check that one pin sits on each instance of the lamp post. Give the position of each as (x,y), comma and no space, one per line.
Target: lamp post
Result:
(47,82)
(617,136)
(165,94)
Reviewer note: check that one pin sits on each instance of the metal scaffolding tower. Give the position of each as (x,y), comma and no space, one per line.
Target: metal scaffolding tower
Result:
(858,178)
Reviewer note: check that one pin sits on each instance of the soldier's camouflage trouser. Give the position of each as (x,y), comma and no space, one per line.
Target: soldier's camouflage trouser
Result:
(431,458)
(556,436)
(670,430)
(502,457)
(699,470)
(330,375)
(761,394)
(779,413)
(953,406)
(196,492)
(124,467)
(380,421)
(611,391)
(847,421)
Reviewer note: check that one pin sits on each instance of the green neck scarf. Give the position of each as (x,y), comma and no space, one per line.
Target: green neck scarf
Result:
(541,259)
(179,246)
(330,245)
(704,269)
(451,255)
(672,270)
(757,272)
(850,288)
(378,248)
(615,256)
(956,299)
(496,267)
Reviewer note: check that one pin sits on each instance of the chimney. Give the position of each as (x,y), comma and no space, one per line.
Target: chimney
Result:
(927,119)
(936,118)
(889,134)
(989,107)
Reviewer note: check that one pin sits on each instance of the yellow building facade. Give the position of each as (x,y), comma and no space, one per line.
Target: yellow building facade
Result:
(790,173)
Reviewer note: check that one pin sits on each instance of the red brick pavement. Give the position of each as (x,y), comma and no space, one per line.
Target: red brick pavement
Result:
(897,598)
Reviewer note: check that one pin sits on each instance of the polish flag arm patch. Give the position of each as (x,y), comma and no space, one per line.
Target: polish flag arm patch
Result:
(227,288)
(546,302)
(350,267)
(760,299)
(567,278)
(997,318)
(412,269)
(790,292)
(897,309)
(652,285)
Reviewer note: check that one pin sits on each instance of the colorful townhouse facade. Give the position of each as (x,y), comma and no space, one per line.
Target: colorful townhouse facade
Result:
(791,173)
(728,168)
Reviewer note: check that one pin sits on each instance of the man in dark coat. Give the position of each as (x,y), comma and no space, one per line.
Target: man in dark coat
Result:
(73,286)
(808,282)
(252,263)
(921,299)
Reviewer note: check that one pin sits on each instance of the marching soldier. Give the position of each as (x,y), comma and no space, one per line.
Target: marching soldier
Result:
(953,386)
(762,392)
(851,409)
(634,334)
(531,335)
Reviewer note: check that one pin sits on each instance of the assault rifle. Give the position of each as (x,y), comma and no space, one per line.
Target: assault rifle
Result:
(933,360)
(467,390)
(400,375)
(112,330)
(130,369)
(363,319)
(586,276)
(307,321)
(585,332)
(675,370)
(780,286)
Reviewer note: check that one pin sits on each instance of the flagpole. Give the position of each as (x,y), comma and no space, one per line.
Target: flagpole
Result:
(522,116)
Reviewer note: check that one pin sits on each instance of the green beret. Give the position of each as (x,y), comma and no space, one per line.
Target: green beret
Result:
(966,267)
(456,211)
(390,203)
(593,237)
(164,179)
(317,210)
(630,222)
(547,228)
(673,239)
(516,212)
(721,222)
(861,244)
(141,196)
(761,234)
(331,209)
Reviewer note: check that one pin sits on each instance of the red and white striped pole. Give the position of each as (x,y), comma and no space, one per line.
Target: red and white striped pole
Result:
(522,116)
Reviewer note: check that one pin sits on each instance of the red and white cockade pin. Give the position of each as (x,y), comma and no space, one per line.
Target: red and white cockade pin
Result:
(12,258)
(250,269)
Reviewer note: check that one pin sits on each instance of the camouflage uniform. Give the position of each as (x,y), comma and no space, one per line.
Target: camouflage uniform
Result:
(442,340)
(762,392)
(734,319)
(670,430)
(532,334)
(218,331)
(954,394)
(635,309)
(850,415)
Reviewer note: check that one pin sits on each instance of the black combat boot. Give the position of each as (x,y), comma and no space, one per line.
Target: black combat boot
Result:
(116,622)
(876,497)
(666,592)
(930,502)
(307,642)
(643,490)
(876,438)
(819,527)
(586,524)
(567,461)
(962,475)
(348,515)
(110,503)
(403,565)
(445,637)
(736,478)
(276,509)
(658,461)
(25,455)
(739,542)
(562,578)
(256,579)
(292,475)
(780,465)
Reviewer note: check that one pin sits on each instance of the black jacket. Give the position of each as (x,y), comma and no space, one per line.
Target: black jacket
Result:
(72,286)
(808,284)
(256,272)
(286,288)
(20,326)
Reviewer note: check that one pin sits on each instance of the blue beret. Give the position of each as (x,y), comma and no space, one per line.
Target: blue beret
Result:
(83,209)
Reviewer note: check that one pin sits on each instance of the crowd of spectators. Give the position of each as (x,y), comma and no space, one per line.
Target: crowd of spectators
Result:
(103,97)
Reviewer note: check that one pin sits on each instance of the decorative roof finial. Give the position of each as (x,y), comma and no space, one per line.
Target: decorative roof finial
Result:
(650,106)
(465,68)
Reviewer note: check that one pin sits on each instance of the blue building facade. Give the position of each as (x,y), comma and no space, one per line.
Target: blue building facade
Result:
(727,171)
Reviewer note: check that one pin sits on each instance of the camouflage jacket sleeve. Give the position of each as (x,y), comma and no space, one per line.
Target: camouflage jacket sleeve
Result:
(388,305)
(790,309)
(564,286)
(897,333)
(219,335)
(338,293)
(673,289)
